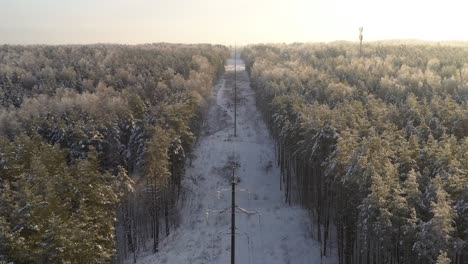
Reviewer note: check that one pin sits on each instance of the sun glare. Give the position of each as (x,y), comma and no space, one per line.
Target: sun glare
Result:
(214,21)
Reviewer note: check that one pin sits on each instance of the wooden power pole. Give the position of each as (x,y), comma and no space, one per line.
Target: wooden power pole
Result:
(234,207)
(233,216)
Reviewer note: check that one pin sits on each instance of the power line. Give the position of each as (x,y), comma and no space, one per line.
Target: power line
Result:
(235,91)
(234,181)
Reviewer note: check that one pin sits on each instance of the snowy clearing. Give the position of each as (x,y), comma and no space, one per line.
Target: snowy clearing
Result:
(278,233)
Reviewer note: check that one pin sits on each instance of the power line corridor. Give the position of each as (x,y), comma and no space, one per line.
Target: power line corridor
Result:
(267,230)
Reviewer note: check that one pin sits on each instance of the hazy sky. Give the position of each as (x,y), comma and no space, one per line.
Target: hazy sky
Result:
(226,22)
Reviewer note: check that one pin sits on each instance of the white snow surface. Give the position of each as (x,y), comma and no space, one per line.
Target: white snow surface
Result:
(278,233)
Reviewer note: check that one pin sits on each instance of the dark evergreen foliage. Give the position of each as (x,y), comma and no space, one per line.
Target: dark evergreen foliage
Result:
(92,146)
(375,146)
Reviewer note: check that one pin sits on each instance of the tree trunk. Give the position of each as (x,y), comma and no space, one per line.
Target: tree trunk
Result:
(166,215)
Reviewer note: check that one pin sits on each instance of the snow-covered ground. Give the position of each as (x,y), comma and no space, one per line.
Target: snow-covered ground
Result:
(278,233)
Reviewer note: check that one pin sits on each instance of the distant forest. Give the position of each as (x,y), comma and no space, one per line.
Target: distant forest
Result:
(373,144)
(92,146)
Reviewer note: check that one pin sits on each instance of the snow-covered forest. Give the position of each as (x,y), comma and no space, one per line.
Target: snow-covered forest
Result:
(373,144)
(93,140)
(358,154)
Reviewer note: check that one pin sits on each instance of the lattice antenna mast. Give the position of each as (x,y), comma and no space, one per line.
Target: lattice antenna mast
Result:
(361,29)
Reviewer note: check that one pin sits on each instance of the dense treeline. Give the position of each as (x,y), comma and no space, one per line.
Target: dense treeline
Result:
(375,146)
(92,146)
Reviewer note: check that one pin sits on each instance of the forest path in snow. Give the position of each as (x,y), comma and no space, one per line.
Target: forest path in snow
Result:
(278,233)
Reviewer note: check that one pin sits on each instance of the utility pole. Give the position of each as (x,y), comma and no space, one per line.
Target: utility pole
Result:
(233,216)
(234,207)
(235,90)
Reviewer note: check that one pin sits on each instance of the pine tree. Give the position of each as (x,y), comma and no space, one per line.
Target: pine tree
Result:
(443,259)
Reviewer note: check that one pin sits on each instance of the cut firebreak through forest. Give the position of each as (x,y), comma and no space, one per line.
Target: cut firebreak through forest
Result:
(92,146)
(374,145)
